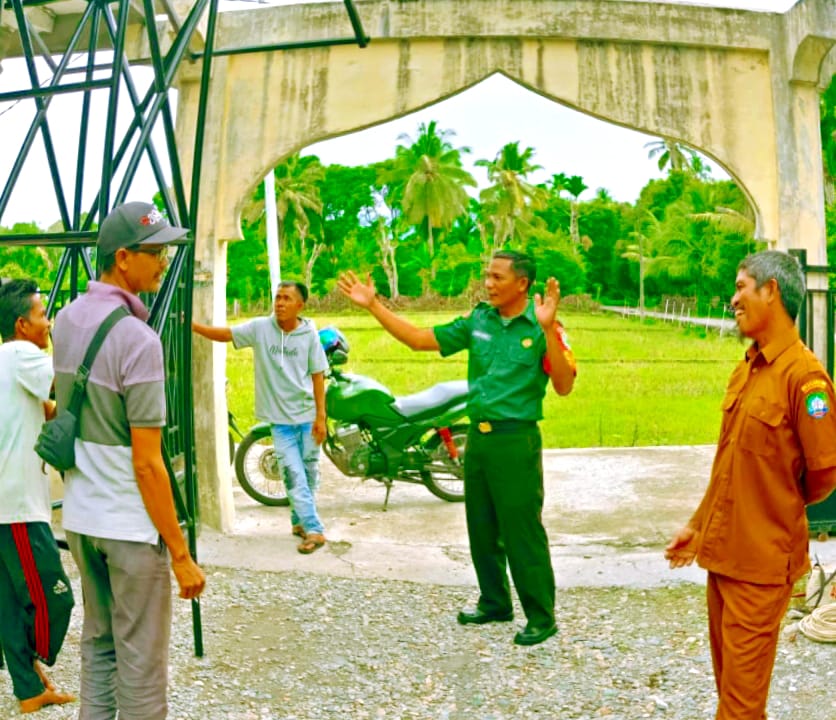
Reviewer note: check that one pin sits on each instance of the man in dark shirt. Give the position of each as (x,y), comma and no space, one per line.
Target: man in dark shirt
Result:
(515,347)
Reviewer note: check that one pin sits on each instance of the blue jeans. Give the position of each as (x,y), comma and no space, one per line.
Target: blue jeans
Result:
(299,457)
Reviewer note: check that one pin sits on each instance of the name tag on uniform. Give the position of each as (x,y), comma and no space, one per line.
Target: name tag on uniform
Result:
(481,335)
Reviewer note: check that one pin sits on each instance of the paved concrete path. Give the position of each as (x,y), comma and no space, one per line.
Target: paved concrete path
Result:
(609,512)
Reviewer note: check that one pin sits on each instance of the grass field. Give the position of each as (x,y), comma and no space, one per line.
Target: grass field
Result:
(650,384)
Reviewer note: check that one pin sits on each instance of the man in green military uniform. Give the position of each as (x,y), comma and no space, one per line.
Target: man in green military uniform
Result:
(516,346)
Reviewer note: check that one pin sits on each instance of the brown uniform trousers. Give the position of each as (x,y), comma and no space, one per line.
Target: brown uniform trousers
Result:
(743,622)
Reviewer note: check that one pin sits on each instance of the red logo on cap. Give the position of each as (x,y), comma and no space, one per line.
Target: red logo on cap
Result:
(152,218)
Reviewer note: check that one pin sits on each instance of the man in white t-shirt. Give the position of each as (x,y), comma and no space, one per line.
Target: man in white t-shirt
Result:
(35,595)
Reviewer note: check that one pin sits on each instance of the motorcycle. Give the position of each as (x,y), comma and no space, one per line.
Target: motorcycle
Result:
(371,433)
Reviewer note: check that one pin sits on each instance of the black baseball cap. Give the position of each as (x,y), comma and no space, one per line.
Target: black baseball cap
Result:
(136,223)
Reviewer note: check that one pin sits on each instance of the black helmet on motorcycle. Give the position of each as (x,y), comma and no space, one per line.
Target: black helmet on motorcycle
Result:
(332,340)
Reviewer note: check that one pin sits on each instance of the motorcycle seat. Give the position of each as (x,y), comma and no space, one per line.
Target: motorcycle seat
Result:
(437,398)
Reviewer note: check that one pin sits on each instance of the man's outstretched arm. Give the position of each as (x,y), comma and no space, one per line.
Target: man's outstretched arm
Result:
(218,334)
(363,295)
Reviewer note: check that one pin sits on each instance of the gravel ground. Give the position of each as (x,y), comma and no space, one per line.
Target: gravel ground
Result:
(295,646)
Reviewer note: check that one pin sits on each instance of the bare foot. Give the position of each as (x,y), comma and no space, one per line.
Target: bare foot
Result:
(47,697)
(43,676)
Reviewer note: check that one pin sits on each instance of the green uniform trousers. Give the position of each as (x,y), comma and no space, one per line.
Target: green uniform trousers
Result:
(503,480)
(36,602)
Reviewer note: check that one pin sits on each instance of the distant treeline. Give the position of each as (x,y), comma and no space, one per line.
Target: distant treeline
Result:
(417,223)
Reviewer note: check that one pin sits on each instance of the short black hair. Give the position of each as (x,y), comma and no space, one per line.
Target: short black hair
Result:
(301,288)
(104,262)
(522,265)
(15,302)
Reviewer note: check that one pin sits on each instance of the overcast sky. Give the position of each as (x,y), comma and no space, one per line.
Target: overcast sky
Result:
(484,118)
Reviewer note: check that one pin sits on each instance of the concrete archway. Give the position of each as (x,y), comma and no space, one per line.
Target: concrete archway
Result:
(741,87)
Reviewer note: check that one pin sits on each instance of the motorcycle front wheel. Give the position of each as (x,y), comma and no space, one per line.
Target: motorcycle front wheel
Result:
(443,476)
(258,470)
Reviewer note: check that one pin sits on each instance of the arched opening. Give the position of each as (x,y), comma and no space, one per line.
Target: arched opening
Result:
(593,188)
(615,223)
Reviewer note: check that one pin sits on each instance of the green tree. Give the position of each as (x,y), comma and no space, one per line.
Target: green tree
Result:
(830,225)
(347,199)
(828,139)
(695,231)
(298,199)
(428,182)
(605,222)
(728,219)
(574,185)
(508,203)
(557,257)
(300,229)
(247,270)
(35,262)
(348,211)
(675,155)
(648,236)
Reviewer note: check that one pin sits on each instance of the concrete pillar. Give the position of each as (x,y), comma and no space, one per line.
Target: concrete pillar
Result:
(795,76)
(217,509)
(801,185)
(214,473)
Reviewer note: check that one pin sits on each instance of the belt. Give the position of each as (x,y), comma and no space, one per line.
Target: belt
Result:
(503,426)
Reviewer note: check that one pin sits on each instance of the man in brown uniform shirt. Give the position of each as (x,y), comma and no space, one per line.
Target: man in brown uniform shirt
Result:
(776,454)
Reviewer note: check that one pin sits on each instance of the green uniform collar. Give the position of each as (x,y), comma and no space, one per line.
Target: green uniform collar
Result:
(527,314)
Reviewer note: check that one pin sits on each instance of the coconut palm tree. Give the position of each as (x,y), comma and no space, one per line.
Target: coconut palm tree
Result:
(298,181)
(648,234)
(575,186)
(675,155)
(428,181)
(510,199)
(727,219)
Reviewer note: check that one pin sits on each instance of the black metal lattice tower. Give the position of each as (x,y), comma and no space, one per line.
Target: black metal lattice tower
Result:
(95,32)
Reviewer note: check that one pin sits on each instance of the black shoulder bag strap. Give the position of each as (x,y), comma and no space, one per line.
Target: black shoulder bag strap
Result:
(83,372)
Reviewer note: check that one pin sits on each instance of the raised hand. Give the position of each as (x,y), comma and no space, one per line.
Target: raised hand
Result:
(360,293)
(545,307)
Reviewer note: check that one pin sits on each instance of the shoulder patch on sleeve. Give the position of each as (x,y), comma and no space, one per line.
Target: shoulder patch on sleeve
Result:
(562,336)
(816,403)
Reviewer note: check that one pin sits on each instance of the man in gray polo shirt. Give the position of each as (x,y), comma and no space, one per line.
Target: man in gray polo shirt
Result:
(119,511)
(290,367)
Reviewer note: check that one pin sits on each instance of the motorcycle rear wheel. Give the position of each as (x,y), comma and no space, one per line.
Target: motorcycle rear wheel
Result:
(444,477)
(258,471)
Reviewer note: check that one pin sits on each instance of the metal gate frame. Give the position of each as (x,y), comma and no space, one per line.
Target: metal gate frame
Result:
(99,28)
